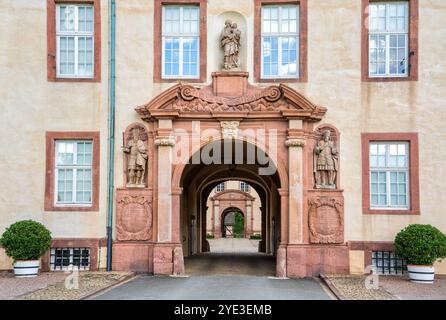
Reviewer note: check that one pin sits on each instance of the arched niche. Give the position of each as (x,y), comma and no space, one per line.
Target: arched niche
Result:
(216,27)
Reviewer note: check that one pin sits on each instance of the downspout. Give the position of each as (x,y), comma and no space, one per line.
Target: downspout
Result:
(111,134)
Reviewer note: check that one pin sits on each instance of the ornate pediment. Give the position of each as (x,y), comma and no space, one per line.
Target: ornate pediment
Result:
(232,93)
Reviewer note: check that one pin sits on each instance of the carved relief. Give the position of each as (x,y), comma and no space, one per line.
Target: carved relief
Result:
(326,220)
(135,147)
(134,217)
(192,99)
(229,129)
(325,164)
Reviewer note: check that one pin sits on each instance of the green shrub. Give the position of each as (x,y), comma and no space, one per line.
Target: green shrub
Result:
(239,226)
(255,236)
(26,240)
(209,236)
(420,244)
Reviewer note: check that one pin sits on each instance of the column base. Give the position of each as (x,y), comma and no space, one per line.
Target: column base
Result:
(168,259)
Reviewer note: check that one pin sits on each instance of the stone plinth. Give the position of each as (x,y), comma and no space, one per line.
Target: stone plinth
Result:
(230,84)
(314,260)
(132,256)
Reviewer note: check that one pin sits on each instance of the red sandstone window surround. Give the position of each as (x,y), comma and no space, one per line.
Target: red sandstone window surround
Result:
(412,72)
(51,138)
(52,43)
(414,193)
(303,30)
(157,45)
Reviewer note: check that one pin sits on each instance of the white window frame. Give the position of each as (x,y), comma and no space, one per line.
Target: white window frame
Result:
(387,35)
(76,34)
(280,35)
(74,167)
(182,36)
(217,188)
(387,169)
(244,187)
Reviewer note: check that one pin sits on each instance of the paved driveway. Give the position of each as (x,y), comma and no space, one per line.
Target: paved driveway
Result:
(217,288)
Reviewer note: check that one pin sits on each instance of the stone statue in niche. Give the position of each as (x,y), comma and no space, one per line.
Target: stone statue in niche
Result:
(230,41)
(325,162)
(136,159)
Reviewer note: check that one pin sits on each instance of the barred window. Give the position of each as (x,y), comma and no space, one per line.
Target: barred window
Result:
(70,258)
(388,263)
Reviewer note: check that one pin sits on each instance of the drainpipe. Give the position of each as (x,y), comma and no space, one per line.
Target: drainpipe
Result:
(111,134)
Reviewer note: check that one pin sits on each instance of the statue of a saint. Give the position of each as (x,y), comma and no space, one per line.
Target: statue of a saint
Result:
(230,41)
(325,162)
(137,159)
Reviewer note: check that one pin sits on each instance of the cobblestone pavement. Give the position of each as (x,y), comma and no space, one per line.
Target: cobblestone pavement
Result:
(354,288)
(402,288)
(51,285)
(12,287)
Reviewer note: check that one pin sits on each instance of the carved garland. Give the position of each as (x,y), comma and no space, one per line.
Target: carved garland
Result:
(326,220)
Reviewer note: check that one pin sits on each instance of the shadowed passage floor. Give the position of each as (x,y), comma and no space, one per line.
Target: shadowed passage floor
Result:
(229,256)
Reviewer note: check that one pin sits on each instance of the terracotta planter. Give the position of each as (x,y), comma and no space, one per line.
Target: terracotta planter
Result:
(26,268)
(421,274)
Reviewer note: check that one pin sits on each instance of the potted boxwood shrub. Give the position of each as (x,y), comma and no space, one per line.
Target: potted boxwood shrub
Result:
(421,245)
(25,242)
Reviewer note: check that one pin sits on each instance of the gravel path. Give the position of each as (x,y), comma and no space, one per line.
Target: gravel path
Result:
(51,285)
(354,288)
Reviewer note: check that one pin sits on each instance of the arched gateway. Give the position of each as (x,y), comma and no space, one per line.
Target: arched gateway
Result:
(197,138)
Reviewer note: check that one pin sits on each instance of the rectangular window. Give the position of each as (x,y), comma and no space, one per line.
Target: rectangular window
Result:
(73,178)
(244,186)
(220,187)
(389,175)
(389,39)
(70,258)
(280,41)
(181,41)
(75,40)
(388,263)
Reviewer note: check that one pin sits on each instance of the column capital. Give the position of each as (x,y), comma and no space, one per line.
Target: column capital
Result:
(283,192)
(167,141)
(295,142)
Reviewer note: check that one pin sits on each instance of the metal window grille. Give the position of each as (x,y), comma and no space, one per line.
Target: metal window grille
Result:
(70,258)
(388,263)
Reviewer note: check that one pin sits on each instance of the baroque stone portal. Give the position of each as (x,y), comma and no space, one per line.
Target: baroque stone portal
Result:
(325,162)
(230,41)
(136,158)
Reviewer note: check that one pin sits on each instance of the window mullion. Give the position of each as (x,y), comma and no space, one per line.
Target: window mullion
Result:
(180,67)
(387,54)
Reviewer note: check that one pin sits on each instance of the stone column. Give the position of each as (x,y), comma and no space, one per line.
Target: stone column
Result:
(295,144)
(217,220)
(168,253)
(281,259)
(249,219)
(165,144)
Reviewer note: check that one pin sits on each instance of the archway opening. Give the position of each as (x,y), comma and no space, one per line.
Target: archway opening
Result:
(199,180)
